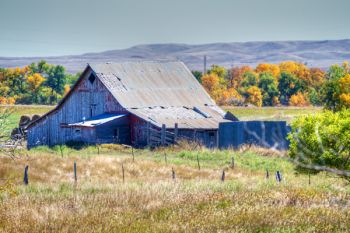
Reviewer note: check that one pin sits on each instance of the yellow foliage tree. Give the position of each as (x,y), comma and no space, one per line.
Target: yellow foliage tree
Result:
(34,81)
(298,100)
(228,96)
(254,96)
(271,68)
(344,84)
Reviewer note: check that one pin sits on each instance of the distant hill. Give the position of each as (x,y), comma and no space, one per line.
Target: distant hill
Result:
(315,53)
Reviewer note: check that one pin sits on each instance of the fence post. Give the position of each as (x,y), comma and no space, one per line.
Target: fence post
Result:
(278,176)
(123,173)
(267,174)
(26,177)
(165,158)
(199,166)
(162,136)
(223,176)
(309,179)
(176,131)
(75,172)
(132,152)
(173,173)
(232,163)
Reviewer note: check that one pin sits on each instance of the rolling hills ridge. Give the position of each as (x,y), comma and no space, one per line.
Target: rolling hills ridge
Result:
(315,53)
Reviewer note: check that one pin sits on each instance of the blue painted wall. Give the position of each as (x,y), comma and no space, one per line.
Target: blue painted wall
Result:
(269,134)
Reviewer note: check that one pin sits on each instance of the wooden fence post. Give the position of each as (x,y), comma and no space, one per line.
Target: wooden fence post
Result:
(223,176)
(309,179)
(165,158)
(173,173)
(278,176)
(26,177)
(75,172)
(162,136)
(123,173)
(132,152)
(176,131)
(199,166)
(232,163)
(267,174)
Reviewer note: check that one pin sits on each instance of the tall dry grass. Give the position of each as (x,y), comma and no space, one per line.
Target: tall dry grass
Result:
(150,201)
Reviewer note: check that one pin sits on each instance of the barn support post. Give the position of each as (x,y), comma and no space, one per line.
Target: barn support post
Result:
(148,134)
(162,136)
(176,131)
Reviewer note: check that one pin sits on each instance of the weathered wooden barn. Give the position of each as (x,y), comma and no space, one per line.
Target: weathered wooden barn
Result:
(136,103)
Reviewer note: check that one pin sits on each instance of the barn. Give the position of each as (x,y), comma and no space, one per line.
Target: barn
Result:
(146,103)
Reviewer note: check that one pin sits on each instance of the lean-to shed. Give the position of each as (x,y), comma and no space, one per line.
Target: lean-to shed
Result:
(130,103)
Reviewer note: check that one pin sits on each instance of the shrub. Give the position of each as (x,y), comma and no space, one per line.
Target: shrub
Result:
(321,142)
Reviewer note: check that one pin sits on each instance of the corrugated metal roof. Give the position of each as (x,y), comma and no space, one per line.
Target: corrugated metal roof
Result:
(186,118)
(97,120)
(147,84)
(163,92)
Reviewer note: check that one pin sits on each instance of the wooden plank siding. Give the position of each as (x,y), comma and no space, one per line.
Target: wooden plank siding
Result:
(87,100)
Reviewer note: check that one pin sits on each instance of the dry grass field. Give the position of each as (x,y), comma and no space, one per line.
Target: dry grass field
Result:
(149,200)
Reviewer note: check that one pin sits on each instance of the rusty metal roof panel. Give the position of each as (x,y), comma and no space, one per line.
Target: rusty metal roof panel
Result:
(149,83)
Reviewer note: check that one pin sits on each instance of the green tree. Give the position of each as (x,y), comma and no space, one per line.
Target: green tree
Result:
(56,80)
(249,79)
(331,89)
(321,142)
(267,84)
(289,85)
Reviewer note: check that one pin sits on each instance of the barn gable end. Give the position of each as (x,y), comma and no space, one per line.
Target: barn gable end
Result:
(85,100)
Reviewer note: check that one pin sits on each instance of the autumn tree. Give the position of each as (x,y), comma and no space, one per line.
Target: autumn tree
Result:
(335,90)
(254,96)
(34,82)
(273,69)
(298,99)
(236,76)
(289,85)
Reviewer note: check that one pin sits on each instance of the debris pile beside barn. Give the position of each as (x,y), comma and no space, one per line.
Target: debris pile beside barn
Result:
(20,132)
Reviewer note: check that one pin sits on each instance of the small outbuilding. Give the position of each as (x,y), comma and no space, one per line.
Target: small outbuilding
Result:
(144,103)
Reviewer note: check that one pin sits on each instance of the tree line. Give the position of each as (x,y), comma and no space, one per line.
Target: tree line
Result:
(37,83)
(287,83)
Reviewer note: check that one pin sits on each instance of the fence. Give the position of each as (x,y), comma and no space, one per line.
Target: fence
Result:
(160,136)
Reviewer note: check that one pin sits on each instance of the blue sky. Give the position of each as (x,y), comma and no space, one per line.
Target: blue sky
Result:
(52,27)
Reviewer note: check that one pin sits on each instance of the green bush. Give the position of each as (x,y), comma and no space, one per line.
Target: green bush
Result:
(321,142)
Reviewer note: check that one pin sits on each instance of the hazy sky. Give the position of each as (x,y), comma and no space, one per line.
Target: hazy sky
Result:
(60,27)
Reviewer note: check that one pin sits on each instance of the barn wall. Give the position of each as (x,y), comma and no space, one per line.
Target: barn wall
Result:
(87,100)
(270,134)
(208,138)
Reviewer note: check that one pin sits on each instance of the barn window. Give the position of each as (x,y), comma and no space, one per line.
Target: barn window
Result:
(92,78)
(211,134)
